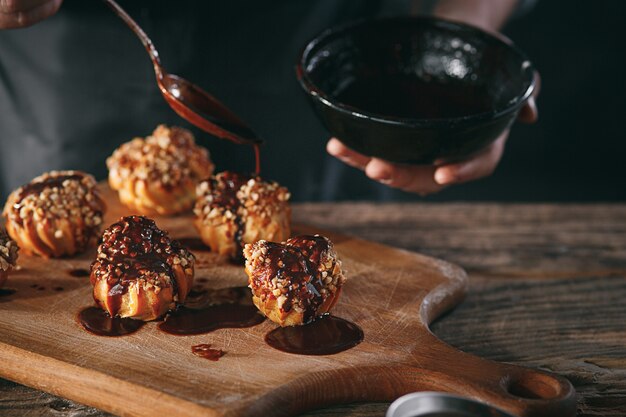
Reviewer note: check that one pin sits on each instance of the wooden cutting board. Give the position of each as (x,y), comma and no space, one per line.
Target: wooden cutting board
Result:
(391,294)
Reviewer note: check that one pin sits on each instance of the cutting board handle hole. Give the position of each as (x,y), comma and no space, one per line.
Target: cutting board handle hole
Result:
(534,386)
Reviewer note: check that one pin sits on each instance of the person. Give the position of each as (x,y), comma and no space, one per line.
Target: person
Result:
(75,84)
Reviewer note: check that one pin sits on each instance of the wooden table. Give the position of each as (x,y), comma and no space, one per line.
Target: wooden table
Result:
(547,290)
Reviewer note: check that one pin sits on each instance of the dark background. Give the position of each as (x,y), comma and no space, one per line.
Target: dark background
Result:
(576,151)
(78,85)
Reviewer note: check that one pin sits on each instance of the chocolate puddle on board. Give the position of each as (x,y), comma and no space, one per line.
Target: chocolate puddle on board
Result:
(325,336)
(208,310)
(97,321)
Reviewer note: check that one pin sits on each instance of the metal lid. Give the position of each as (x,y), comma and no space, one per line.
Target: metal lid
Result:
(438,404)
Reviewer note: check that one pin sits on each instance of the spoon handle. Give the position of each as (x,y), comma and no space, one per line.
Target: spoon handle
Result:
(147,43)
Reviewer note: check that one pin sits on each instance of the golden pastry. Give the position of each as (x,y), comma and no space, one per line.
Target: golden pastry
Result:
(296,281)
(159,174)
(8,256)
(234,209)
(58,213)
(139,271)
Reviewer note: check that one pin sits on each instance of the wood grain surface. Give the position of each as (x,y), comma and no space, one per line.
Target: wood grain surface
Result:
(540,277)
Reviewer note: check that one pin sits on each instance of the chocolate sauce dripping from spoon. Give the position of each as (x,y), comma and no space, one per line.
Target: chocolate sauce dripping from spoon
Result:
(190,101)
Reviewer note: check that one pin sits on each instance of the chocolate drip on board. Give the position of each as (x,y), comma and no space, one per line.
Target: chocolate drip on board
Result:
(204,350)
(210,310)
(99,322)
(327,335)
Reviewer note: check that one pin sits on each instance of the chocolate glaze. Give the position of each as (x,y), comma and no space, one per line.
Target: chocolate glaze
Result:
(96,203)
(225,196)
(210,310)
(97,321)
(38,187)
(205,351)
(78,272)
(325,336)
(9,257)
(298,259)
(130,248)
(6,292)
(225,190)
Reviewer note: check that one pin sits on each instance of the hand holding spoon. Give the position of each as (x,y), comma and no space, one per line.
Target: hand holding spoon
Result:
(188,100)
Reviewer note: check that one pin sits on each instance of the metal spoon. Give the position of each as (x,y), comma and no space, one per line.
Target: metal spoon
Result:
(188,100)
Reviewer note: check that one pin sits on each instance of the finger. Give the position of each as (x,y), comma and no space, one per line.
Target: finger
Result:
(340,151)
(411,178)
(529,113)
(29,17)
(482,165)
(15,6)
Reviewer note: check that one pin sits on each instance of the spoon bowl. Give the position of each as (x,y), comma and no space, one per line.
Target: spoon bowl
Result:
(203,110)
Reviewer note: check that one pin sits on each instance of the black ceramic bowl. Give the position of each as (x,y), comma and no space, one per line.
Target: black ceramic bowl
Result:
(415,89)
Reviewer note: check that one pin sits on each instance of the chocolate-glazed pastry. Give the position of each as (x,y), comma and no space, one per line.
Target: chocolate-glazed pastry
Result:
(58,213)
(296,281)
(234,209)
(159,174)
(8,256)
(139,271)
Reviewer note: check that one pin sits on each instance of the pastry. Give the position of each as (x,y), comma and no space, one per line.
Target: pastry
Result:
(234,209)
(159,174)
(58,213)
(8,256)
(296,281)
(139,271)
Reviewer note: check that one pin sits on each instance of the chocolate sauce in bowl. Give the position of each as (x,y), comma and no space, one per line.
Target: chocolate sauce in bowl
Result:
(325,336)
(97,321)
(411,97)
